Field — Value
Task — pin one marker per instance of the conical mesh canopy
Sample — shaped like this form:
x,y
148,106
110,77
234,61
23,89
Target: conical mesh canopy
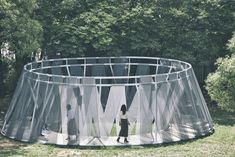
x,y
77,101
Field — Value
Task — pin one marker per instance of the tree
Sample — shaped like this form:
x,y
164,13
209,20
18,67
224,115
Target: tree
x,y
22,33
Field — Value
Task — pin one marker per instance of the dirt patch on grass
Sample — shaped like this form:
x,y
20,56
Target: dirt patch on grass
x,y
7,145
68,153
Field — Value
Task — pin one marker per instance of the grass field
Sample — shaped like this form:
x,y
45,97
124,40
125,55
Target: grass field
x,y
221,143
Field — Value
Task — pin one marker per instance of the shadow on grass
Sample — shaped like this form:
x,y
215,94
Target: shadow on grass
x,y
222,117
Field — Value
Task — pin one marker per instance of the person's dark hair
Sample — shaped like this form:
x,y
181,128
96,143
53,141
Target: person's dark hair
x,y
68,107
123,109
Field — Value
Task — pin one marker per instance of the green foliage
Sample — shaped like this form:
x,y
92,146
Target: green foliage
x,y
18,28
195,31
221,83
8,76
22,33
231,44
95,30
189,30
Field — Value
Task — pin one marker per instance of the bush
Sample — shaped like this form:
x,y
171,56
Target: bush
x,y
221,83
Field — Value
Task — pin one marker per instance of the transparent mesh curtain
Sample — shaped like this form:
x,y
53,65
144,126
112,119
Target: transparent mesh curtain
x,y
77,101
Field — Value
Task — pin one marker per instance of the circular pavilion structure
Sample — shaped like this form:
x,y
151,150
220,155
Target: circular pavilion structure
x,y
76,101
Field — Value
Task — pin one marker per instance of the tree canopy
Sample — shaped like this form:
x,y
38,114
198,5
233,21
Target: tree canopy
x,y
195,31
188,30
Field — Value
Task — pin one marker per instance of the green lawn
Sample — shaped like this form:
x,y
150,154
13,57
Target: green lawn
x,y
221,143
